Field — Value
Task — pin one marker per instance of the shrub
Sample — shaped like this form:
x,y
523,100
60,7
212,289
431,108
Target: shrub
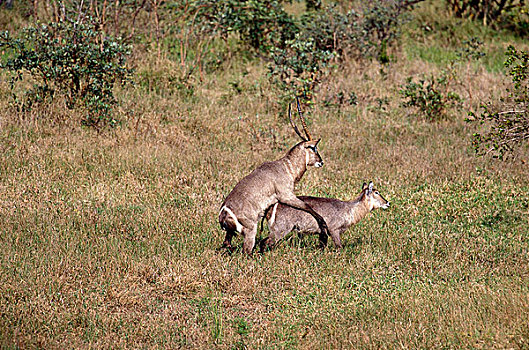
x,y
430,96
433,96
470,50
260,24
331,30
327,36
511,14
299,68
301,64
380,26
508,123
65,60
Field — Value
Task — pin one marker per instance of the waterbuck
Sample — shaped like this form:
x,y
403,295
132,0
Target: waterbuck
x,y
270,183
339,215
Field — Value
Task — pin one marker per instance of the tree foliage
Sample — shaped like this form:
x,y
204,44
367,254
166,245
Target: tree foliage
x,y
259,24
500,13
326,36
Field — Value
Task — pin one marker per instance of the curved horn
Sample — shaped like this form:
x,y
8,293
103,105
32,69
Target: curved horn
x,y
303,121
292,123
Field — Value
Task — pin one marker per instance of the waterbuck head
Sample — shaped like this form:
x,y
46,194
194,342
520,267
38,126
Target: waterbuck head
x,y
373,198
308,146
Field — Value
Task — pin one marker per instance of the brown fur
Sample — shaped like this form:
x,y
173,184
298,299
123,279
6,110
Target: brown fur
x,y
270,183
339,215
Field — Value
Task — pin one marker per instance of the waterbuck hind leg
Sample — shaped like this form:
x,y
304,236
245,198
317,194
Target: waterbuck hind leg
x,y
227,240
323,240
249,239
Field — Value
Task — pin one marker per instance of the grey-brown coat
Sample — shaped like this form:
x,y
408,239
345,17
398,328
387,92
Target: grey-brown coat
x,y
270,183
339,215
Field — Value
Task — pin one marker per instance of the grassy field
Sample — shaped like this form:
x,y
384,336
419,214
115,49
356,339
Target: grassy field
x,y
110,239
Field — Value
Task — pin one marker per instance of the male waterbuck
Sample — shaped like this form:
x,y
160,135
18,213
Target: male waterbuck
x,y
270,183
339,215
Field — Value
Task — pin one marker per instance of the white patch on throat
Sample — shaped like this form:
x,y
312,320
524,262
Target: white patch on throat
x,y
238,225
273,216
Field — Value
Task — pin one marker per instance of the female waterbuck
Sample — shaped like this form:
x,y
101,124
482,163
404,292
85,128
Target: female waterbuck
x,y
270,183
339,215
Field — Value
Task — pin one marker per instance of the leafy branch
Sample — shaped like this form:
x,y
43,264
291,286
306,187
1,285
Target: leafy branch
x,y
507,127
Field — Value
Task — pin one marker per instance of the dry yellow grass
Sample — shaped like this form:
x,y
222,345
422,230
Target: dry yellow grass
x,y
110,239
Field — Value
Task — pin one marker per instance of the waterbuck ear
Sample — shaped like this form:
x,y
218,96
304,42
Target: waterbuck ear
x,y
370,188
364,186
318,141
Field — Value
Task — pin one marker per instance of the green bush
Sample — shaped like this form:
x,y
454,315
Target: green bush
x,y
380,26
430,96
507,124
69,61
299,68
509,14
259,24
331,29
433,96
327,36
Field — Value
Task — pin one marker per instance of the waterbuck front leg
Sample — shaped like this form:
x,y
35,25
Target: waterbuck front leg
x,y
297,203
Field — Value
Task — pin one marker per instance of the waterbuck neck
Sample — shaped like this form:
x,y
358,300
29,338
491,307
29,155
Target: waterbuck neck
x,y
358,208
296,163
